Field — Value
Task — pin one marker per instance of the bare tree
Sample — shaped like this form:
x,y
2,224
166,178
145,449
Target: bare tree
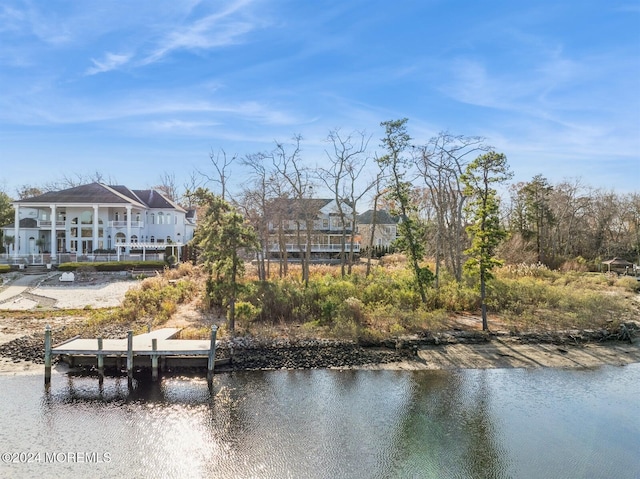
x,y
255,199
441,162
168,187
28,191
288,164
190,187
221,164
346,162
78,179
378,193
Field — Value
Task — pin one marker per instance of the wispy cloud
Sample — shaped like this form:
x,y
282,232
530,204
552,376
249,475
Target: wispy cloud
x,y
110,62
215,30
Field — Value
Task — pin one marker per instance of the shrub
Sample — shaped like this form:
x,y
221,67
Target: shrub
x,y
156,298
114,265
246,312
628,283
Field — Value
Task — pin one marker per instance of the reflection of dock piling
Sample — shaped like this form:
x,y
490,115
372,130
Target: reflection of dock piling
x,y
153,349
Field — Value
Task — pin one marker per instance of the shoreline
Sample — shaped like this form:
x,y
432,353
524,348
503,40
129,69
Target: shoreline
x,y
495,353
22,341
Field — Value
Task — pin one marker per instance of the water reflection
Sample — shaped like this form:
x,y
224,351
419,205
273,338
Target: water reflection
x,y
330,424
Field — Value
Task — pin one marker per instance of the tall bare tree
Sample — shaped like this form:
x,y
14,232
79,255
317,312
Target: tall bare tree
x,y
441,163
256,199
287,163
168,187
221,164
346,161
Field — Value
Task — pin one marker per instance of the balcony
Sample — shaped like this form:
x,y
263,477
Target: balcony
x,y
315,248
46,224
123,224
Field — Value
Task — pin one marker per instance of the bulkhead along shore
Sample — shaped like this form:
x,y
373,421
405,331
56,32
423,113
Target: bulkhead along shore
x,y
30,302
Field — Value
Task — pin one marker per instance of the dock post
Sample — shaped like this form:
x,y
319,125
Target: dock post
x,y
154,360
212,353
100,358
130,354
47,354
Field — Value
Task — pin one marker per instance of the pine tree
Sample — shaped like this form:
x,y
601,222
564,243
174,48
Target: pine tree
x,y
485,230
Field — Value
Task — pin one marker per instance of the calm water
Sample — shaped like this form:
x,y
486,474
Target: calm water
x,y
327,424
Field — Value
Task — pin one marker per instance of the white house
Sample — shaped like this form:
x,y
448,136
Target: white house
x,y
287,224
95,218
386,228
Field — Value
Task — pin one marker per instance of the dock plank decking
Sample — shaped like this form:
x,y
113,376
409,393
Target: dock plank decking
x,y
152,345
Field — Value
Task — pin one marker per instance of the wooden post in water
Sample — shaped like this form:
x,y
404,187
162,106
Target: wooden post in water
x,y
154,360
47,354
130,354
100,358
212,353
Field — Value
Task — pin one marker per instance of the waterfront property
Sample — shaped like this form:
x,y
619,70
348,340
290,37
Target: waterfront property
x,y
377,228
95,219
289,221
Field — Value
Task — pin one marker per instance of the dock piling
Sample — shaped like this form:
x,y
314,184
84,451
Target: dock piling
x,y
154,360
130,354
100,358
212,353
47,354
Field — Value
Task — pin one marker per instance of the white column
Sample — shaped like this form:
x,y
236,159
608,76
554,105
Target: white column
x,y
54,233
128,228
95,227
16,232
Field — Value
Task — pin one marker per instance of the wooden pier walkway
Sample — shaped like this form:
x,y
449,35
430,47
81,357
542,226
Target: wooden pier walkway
x,y
139,349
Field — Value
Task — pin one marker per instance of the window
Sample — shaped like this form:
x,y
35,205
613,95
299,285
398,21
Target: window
x,y
86,217
134,239
160,218
167,219
325,224
120,238
117,216
153,219
153,239
169,239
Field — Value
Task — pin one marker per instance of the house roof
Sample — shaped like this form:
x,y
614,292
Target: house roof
x,y
382,218
618,262
24,223
293,208
101,193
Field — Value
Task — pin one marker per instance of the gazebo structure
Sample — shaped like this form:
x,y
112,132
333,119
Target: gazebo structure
x,y
618,265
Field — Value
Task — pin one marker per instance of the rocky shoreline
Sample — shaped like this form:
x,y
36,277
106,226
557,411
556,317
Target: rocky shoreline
x,y
250,353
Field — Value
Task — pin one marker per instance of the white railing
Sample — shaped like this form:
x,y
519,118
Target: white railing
x,y
316,248
47,224
123,224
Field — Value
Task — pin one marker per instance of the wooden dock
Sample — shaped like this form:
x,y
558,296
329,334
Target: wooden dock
x,y
156,349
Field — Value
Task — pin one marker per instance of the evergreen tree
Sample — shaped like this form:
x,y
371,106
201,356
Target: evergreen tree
x,y
485,230
396,141
221,235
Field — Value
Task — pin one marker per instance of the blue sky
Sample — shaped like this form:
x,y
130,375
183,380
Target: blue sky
x,y
135,89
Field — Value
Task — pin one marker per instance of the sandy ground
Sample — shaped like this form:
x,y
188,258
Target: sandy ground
x,y
24,292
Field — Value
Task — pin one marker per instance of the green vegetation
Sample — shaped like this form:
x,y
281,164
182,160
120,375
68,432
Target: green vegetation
x,y
114,265
4,268
485,230
388,303
221,236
